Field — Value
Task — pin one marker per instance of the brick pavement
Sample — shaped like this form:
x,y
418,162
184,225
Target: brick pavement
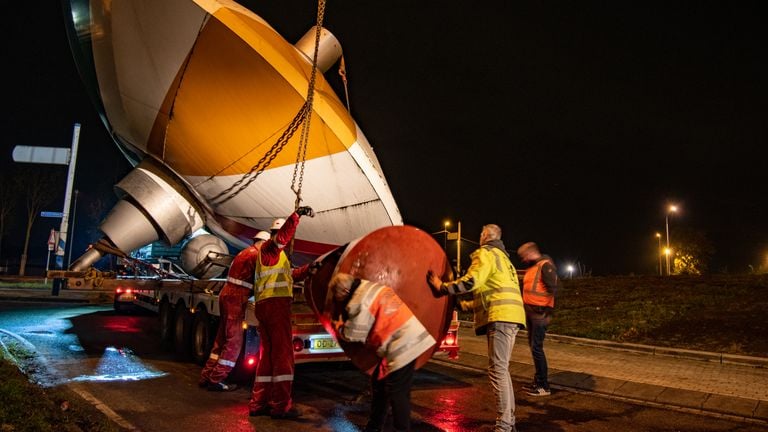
x,y
678,378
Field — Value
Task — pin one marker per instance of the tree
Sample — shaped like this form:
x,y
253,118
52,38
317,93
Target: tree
x,y
38,188
692,251
7,205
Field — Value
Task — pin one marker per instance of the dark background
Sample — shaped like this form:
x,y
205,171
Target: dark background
x,y
572,124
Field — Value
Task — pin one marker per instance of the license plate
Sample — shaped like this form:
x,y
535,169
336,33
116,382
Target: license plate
x,y
324,344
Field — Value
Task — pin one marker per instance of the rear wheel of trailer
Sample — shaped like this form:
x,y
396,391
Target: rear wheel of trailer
x,y
203,334
182,331
166,322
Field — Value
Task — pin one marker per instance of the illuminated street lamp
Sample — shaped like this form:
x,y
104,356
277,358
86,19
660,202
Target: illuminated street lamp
x,y
658,237
446,224
670,209
447,235
570,271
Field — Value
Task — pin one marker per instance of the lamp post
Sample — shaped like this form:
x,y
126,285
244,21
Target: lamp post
x,y
72,231
670,209
446,224
658,237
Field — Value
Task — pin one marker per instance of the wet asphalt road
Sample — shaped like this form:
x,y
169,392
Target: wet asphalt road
x,y
116,361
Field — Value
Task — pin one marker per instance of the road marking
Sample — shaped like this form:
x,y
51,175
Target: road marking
x,y
101,406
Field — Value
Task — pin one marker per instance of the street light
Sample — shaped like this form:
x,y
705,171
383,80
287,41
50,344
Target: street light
x,y
658,237
670,209
570,271
446,224
447,235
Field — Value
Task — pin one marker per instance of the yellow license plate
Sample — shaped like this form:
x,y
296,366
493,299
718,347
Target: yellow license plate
x,y
324,344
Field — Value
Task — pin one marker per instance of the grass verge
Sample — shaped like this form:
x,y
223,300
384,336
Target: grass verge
x,y
26,407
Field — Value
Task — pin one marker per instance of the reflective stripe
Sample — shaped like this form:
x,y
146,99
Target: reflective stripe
x,y
226,362
281,378
278,284
214,356
274,270
501,302
239,282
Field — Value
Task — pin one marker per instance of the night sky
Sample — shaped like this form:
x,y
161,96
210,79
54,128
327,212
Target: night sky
x,y
571,124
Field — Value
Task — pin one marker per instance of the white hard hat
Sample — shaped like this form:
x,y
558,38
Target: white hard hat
x,y
262,235
277,224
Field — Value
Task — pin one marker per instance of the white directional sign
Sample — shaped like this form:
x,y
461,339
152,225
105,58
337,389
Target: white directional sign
x,y
46,155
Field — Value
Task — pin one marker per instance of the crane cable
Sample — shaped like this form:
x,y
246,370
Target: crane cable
x,y
302,118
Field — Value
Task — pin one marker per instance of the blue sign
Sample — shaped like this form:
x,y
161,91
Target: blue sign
x,y
51,214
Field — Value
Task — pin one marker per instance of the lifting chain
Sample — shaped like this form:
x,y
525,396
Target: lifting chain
x,y
302,118
301,155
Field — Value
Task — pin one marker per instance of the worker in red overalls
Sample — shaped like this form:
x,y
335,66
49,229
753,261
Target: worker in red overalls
x,y
273,294
232,302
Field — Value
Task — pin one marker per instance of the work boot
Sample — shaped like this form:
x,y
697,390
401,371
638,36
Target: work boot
x,y
291,414
259,412
221,387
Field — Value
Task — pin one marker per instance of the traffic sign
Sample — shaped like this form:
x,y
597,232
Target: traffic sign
x,y
46,155
51,241
51,214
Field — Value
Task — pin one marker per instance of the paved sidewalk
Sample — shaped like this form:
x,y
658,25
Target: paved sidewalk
x,y
696,381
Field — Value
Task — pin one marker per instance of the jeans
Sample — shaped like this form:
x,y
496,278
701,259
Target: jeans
x,y
501,340
392,390
537,330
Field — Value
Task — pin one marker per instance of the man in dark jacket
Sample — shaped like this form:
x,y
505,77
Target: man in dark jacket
x,y
539,288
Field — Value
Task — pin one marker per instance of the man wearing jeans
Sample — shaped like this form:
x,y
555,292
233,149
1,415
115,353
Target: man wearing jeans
x,y
539,288
499,314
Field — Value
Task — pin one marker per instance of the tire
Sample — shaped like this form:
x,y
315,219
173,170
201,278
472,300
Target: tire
x,y
166,322
202,336
182,332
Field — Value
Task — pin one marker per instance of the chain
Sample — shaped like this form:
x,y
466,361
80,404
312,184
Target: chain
x,y
264,162
302,118
301,155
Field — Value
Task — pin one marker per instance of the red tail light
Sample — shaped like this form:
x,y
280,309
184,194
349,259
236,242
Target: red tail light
x,y
298,344
450,339
118,290
251,361
128,291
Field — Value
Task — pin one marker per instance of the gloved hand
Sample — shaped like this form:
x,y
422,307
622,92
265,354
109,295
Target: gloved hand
x,y
435,283
466,305
314,267
305,211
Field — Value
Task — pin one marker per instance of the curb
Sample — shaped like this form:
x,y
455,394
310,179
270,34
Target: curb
x,y
65,296
722,358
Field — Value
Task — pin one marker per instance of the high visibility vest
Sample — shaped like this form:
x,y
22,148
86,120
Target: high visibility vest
x,y
380,318
498,298
535,292
273,281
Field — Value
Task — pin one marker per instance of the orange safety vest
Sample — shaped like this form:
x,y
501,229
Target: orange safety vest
x,y
534,291
379,318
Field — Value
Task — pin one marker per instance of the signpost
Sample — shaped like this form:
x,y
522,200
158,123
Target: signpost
x,y
52,240
56,156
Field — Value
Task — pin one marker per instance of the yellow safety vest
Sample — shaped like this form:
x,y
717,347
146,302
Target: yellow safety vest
x,y
498,298
273,281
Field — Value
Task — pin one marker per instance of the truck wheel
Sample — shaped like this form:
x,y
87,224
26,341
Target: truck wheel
x,y
166,322
202,336
182,332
